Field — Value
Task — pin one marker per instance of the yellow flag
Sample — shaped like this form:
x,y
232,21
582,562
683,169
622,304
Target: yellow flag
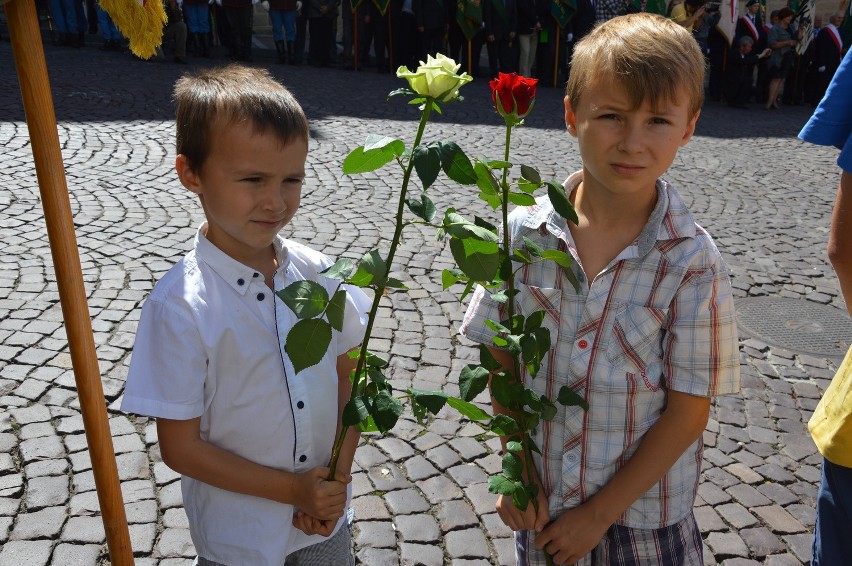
x,y
140,21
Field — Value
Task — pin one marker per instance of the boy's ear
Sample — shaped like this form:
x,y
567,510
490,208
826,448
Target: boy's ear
x,y
187,175
690,129
570,118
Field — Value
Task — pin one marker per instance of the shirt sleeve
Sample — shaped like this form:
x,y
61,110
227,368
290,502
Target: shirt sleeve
x,y
831,123
481,308
168,366
700,344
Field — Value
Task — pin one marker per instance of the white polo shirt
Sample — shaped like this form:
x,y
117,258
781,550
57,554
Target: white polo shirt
x,y
210,343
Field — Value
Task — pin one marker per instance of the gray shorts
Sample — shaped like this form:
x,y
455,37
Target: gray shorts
x,y
335,551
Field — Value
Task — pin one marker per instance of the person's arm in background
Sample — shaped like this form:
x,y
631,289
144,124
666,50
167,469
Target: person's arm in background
x,y
840,237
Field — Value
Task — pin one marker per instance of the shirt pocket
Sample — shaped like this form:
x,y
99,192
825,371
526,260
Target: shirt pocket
x,y
636,343
531,299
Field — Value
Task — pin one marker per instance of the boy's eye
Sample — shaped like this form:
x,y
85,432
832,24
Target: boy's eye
x,y
659,121
252,179
609,117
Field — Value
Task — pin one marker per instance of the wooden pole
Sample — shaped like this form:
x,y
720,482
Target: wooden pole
x,y
469,57
355,39
556,55
30,63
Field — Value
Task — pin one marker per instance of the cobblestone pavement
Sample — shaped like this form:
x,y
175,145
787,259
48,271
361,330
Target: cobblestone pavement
x,y
420,495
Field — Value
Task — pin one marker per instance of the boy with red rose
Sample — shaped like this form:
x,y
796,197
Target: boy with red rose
x,y
650,335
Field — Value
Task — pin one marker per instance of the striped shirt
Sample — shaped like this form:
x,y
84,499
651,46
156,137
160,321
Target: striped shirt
x,y
660,316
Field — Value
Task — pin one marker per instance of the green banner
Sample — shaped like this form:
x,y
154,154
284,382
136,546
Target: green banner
x,y
356,4
846,29
562,11
468,16
656,7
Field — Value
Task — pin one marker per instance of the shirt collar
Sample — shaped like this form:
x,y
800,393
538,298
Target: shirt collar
x,y
234,273
670,219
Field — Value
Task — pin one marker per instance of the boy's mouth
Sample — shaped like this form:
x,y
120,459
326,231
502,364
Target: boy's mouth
x,y
627,168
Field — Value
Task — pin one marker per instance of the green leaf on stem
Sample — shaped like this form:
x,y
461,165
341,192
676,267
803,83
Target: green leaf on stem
x,y
532,400
341,270
501,485
378,141
521,199
372,360
483,223
527,187
450,277
456,164
385,410
376,375
472,381
354,412
561,258
548,409
522,256
514,446
306,299
513,467
569,275
496,326
504,425
534,321
488,185
500,297
371,269
336,309
360,161
307,342
427,163
505,389
560,202
434,401
487,359
467,289
394,283
368,425
521,498
569,398
498,164
530,174
534,249
530,355
423,208
458,227
478,259
467,409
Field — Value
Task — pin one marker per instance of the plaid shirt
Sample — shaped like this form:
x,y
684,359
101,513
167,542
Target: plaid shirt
x,y
660,316
606,10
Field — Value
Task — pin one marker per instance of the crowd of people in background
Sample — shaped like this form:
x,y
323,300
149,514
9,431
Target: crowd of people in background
x,y
765,61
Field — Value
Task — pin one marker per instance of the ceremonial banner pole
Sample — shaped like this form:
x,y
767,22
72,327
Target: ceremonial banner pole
x,y
31,67
556,55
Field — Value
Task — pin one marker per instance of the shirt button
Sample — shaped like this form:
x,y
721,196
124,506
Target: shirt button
x,y
255,275
302,458
572,457
582,344
260,296
301,404
241,281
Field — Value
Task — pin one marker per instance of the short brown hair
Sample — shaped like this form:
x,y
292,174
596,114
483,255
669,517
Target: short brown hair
x,y
234,94
650,56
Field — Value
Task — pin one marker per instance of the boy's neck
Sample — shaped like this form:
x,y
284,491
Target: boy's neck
x,y
609,211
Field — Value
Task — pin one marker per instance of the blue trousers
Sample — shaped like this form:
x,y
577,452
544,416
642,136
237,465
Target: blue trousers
x,y
108,29
64,15
832,532
285,19
197,17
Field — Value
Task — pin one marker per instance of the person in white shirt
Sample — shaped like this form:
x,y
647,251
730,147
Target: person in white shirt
x,y
250,436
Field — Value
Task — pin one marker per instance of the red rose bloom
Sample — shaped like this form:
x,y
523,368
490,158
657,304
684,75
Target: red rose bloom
x,y
516,94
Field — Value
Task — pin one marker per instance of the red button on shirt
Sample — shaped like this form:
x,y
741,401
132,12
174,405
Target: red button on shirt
x,y
582,344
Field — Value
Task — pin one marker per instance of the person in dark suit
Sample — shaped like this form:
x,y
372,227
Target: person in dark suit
x,y
433,18
501,25
827,53
741,61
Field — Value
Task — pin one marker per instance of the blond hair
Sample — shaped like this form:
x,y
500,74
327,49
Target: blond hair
x,y
229,95
650,56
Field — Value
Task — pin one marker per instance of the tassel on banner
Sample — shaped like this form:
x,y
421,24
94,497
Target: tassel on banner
x,y
140,21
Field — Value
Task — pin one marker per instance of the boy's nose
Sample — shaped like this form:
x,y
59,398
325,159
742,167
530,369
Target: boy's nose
x,y
631,141
274,200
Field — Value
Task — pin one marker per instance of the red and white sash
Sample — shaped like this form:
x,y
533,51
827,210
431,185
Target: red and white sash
x,y
835,35
751,28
